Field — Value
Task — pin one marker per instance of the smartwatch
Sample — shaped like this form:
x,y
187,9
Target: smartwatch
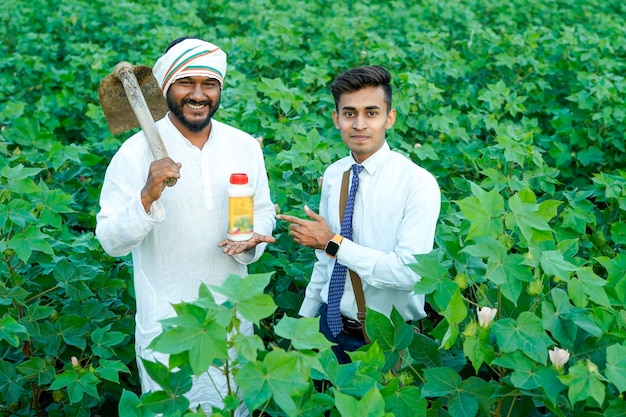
x,y
332,246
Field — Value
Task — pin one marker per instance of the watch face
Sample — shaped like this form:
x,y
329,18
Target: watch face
x,y
332,247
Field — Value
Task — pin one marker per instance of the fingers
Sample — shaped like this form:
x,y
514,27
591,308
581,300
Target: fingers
x,y
267,239
312,214
290,219
234,248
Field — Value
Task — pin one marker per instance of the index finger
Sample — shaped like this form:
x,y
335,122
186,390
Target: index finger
x,y
290,219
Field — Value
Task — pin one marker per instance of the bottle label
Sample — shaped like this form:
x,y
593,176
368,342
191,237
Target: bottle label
x,y
240,215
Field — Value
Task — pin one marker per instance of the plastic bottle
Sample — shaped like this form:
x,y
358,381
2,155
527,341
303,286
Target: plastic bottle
x,y
240,208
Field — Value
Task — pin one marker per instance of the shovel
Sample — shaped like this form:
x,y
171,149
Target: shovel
x,y
134,88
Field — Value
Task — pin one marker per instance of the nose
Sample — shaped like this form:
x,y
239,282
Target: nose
x,y
359,123
196,92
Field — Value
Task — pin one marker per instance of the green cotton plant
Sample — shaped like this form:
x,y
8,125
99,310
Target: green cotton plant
x,y
519,256
273,380
63,323
516,107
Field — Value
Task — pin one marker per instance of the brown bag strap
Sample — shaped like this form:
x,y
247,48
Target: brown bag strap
x,y
357,286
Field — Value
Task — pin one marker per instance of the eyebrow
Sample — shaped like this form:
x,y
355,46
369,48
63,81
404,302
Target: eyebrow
x,y
373,107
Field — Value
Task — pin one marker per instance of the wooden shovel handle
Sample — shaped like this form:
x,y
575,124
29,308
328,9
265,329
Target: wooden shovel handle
x,y
124,71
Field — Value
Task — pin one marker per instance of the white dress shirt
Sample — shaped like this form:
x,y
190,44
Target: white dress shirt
x,y
395,214
174,247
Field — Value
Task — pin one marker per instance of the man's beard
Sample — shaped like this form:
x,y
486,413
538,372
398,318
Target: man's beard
x,y
194,126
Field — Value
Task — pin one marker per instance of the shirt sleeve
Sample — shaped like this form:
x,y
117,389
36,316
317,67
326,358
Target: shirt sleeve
x,y
389,269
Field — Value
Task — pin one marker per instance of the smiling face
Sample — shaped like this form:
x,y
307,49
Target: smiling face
x,y
193,101
362,118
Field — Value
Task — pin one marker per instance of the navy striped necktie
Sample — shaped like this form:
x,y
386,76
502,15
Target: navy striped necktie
x,y
338,277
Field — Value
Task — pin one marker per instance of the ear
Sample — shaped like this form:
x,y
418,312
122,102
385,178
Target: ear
x,y
336,119
391,118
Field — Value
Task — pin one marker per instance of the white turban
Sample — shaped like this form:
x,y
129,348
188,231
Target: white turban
x,y
190,58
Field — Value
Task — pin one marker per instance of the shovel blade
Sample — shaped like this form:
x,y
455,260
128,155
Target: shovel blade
x,y
118,112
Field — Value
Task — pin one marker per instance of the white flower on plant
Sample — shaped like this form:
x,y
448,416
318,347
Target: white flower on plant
x,y
486,316
558,357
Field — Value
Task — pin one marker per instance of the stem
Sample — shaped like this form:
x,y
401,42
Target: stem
x,y
511,407
498,408
33,387
42,293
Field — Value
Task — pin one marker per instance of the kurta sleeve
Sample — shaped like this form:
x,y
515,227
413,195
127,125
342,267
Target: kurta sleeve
x,y
122,222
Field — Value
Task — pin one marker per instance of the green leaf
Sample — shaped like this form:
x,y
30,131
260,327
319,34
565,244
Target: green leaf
x,y
509,274
71,276
456,310
314,405
204,342
162,403
461,404
525,334
173,383
484,211
247,294
481,390
616,366
486,247
370,405
130,405
277,377
247,347
431,271
36,368
20,212
440,382
434,278
347,378
77,384
425,351
373,359
578,316
19,172
73,329
554,264
584,384
10,330
304,333
255,309
593,286
555,318
393,334
479,350
110,370
404,401
10,384
32,239
527,214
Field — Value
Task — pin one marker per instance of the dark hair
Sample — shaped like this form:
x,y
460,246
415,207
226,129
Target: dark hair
x,y
357,78
179,40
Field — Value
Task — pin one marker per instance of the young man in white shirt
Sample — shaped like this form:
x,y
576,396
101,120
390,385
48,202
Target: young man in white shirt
x,y
395,212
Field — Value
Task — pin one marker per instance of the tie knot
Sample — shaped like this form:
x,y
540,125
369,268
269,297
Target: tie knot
x,y
356,169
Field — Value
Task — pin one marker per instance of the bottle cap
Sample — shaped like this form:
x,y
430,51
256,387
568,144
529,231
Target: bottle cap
x,y
238,178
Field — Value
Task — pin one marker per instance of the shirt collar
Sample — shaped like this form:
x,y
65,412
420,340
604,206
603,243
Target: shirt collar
x,y
379,157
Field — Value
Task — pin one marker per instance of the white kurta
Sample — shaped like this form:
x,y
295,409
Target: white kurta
x,y
174,248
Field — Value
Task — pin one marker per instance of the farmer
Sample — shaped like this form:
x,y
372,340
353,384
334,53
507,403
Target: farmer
x,y
177,235
390,214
